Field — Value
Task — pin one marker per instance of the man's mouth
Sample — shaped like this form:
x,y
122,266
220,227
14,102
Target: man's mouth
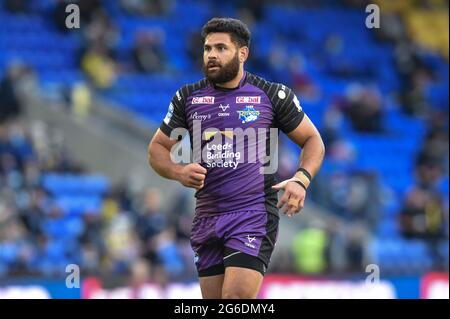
x,y
213,66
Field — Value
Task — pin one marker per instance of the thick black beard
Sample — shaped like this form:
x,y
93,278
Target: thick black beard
x,y
225,74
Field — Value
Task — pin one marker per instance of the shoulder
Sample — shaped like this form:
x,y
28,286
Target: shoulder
x,y
188,89
259,82
276,92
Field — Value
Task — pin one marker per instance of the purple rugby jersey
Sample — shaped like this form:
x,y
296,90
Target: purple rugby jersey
x,y
234,181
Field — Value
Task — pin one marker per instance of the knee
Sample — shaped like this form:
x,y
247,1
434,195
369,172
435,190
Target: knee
x,y
236,294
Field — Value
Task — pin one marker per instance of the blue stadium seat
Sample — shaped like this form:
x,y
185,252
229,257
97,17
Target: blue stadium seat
x,y
75,184
77,205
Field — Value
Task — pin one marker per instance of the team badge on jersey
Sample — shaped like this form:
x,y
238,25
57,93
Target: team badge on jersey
x,y
249,114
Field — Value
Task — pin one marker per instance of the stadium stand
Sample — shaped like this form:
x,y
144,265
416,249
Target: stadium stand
x,y
380,101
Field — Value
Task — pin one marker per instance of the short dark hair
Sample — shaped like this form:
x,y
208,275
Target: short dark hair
x,y
238,30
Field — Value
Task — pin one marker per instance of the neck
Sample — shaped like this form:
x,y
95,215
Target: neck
x,y
233,83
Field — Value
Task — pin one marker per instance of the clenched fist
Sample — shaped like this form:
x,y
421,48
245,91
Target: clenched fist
x,y
193,175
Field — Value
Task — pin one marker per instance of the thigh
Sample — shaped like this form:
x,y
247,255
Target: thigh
x,y
211,286
241,283
253,233
207,247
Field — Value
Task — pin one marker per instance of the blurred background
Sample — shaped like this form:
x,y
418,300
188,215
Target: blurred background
x,y
78,107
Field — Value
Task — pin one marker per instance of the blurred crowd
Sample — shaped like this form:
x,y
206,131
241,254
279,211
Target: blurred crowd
x,y
135,236
130,231
355,194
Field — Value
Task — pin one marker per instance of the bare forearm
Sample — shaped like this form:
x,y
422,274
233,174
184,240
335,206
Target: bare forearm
x,y
312,154
159,159
311,159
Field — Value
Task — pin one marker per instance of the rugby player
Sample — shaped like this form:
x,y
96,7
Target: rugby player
x,y
236,221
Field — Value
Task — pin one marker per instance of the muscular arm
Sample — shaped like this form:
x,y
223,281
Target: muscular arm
x,y
313,149
159,156
191,175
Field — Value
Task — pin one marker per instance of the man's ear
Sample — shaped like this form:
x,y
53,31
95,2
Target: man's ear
x,y
243,54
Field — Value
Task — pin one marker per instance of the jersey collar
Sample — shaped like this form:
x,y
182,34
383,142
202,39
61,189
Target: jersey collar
x,y
241,84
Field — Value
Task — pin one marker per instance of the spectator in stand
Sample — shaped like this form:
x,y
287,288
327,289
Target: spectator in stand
x,y
148,53
10,105
147,8
151,222
425,217
168,254
301,82
364,109
194,49
99,66
422,215
33,213
122,242
309,248
435,146
101,30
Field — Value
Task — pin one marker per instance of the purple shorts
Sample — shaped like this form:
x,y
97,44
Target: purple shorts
x,y
246,237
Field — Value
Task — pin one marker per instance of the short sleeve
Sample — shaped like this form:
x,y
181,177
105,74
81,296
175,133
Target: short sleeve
x,y
288,111
176,115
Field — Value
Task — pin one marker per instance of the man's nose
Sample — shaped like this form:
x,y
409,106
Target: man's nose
x,y
212,55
